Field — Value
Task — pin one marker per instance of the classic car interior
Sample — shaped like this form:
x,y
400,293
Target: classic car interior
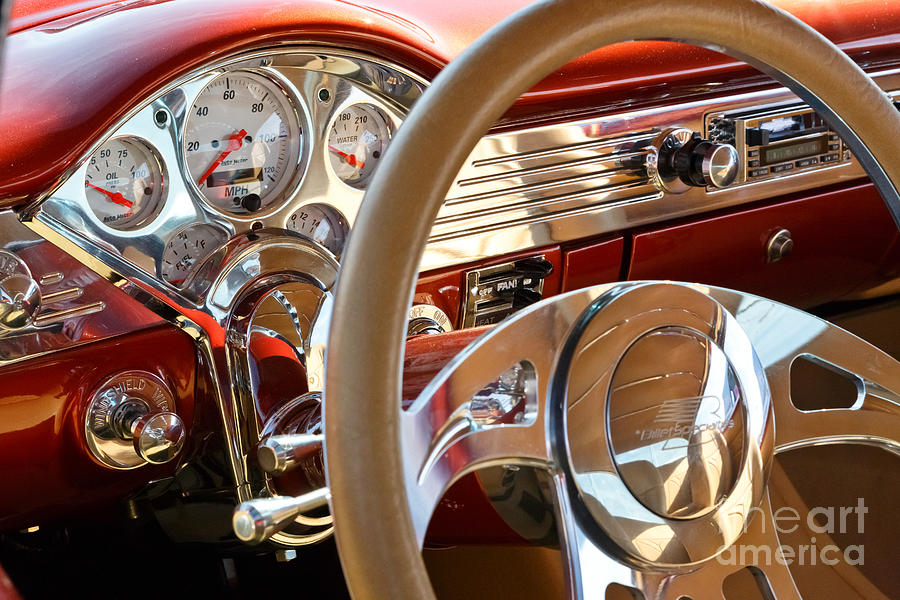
x,y
408,299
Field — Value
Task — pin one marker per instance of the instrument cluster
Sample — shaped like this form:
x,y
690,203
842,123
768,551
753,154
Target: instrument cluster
x,y
285,140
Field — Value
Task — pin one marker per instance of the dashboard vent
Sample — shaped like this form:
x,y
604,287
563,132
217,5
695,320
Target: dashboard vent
x,y
521,179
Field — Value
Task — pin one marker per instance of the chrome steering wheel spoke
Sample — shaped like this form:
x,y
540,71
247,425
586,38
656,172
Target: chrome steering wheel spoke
x,y
781,335
656,408
486,407
760,540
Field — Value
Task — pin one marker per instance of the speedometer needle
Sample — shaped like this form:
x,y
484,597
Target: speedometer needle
x,y
115,197
350,159
234,143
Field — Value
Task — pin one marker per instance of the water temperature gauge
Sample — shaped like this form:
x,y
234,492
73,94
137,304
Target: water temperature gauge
x,y
186,249
123,183
357,140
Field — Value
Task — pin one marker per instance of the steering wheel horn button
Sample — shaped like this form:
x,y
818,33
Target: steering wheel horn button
x,y
676,422
686,443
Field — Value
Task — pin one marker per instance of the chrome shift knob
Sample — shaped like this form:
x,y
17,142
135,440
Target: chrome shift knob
x,y
255,521
280,453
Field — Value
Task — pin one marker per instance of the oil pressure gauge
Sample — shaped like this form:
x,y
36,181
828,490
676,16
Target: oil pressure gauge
x,y
357,140
123,183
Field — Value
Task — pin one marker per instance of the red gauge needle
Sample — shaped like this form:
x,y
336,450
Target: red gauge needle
x,y
115,197
350,159
234,143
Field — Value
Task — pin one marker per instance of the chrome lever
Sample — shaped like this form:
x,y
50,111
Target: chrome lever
x,y
257,520
280,453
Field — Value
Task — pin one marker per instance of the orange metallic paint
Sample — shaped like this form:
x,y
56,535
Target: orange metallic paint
x,y
68,79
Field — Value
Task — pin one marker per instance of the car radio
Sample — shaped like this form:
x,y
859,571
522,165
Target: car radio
x,y
777,140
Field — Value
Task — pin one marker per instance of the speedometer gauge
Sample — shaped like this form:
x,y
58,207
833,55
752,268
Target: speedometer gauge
x,y
123,183
358,137
242,142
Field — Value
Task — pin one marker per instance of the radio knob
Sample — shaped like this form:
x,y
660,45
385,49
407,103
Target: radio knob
x,y
680,158
704,163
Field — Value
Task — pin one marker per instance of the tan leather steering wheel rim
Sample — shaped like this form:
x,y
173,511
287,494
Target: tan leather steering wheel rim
x,y
374,532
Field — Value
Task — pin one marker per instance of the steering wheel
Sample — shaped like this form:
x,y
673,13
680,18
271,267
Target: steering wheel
x,y
651,482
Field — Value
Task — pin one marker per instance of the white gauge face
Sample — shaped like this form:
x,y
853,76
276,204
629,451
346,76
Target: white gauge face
x,y
123,183
242,140
321,224
357,140
186,249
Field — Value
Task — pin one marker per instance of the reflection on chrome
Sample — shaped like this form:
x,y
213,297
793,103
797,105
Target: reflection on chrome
x,y
655,416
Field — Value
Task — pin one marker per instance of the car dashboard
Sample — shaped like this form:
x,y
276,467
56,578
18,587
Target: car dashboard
x,y
180,256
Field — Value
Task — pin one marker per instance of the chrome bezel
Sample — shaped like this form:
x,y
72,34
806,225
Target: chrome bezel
x,y
384,123
152,155
303,71
298,122
223,235
335,218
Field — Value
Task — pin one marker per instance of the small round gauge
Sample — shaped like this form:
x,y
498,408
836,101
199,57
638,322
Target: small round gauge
x,y
242,141
187,248
321,224
358,137
123,183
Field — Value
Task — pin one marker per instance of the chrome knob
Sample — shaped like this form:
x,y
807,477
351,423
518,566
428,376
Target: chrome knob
x,y
158,437
779,246
426,319
20,301
280,453
679,159
255,521
719,165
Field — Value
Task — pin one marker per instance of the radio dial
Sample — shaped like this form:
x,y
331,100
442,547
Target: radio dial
x,y
680,158
702,163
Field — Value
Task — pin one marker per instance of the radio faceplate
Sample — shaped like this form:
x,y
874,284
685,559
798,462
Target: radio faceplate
x,y
777,140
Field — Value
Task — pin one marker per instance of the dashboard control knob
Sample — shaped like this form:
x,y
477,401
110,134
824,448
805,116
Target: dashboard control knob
x,y
20,301
255,521
703,163
427,319
679,159
130,422
278,454
158,437
779,246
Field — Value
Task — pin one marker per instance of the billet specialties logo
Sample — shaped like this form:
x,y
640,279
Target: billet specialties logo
x,y
686,418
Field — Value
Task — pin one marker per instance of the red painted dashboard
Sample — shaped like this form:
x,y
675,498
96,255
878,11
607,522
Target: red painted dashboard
x,y
72,71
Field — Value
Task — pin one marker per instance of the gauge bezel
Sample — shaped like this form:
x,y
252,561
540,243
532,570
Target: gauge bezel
x,y
335,218
385,123
193,270
299,126
154,211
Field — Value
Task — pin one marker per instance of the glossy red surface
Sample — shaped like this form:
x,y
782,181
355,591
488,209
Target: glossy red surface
x,y
47,470
49,121
591,264
840,239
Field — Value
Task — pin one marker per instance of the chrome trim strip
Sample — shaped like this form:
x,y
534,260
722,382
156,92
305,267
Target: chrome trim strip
x,y
517,207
